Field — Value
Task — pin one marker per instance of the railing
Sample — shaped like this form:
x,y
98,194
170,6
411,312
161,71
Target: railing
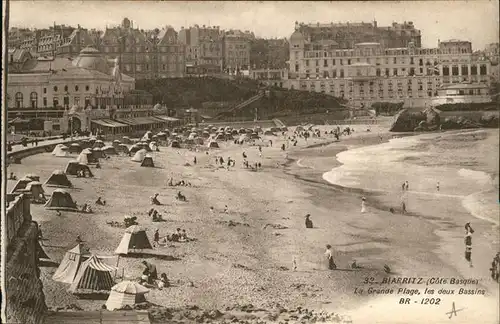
x,y
18,213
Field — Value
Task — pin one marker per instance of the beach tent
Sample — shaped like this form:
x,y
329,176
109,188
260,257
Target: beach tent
x,y
98,153
61,151
144,145
189,141
134,239
148,162
61,200
249,131
161,136
57,149
122,148
109,150
242,131
32,176
75,148
94,276
269,132
134,148
40,252
299,129
275,129
116,143
205,134
175,144
243,138
98,144
199,141
21,184
153,146
220,137
58,179
126,140
213,144
70,264
35,189
284,129
139,156
254,136
126,293
86,157
147,136
73,167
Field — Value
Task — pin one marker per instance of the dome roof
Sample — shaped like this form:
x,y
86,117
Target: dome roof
x,y
297,37
91,59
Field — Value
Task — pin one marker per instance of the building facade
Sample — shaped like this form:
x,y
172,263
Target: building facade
x,y
204,48
462,93
370,73
51,88
236,51
346,35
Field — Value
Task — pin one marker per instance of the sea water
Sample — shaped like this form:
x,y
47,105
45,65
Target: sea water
x,y
464,163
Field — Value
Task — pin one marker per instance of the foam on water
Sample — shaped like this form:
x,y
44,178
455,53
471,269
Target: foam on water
x,y
384,167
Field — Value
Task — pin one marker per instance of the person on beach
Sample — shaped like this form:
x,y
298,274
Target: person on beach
x,y
468,243
329,257
157,237
226,210
164,282
150,271
194,160
403,204
212,211
154,200
308,222
437,186
407,186
363,205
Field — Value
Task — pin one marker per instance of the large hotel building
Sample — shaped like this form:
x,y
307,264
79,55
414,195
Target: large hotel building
x,y
370,72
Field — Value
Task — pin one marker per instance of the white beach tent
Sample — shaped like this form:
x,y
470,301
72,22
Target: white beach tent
x,y
61,151
70,264
139,155
134,239
126,293
83,158
56,149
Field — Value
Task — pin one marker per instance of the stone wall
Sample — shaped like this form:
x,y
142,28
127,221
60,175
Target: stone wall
x,y
25,299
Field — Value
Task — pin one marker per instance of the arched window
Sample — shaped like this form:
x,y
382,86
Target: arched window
x,y
66,88
55,88
34,100
76,88
19,100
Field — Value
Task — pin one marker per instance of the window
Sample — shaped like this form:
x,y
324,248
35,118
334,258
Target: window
x,y
482,69
65,88
76,88
55,88
411,61
348,61
87,88
45,101
387,72
465,70
341,73
19,100
307,62
55,102
77,101
454,70
446,70
325,63
394,60
296,68
377,72
44,90
333,62
34,100
395,72
420,62
473,69
334,73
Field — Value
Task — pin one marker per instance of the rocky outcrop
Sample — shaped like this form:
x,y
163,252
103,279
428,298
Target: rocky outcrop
x,y
430,119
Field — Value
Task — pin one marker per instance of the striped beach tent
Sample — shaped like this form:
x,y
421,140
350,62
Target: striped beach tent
x,y
126,293
70,264
94,276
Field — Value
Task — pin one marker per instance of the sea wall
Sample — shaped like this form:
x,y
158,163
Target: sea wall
x,y
25,299
18,155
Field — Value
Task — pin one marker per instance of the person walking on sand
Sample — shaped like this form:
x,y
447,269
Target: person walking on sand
x,y
329,257
407,186
308,222
157,237
468,243
363,205
437,186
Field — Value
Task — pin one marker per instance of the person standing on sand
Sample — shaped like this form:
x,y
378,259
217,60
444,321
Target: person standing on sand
x,y
468,243
329,257
403,204
363,205
308,222
407,186
437,186
157,237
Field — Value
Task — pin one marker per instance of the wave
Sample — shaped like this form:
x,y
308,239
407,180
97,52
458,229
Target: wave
x,y
384,167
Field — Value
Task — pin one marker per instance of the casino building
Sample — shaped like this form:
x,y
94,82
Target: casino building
x,y
63,94
370,72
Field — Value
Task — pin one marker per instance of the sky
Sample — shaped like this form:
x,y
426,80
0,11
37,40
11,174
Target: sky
x,y
475,21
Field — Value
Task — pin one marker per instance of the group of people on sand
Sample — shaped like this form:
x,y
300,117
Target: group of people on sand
x,y
155,215
178,183
150,276
87,208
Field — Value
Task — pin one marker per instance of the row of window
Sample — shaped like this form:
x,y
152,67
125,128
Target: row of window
x,y
55,101
317,52
66,88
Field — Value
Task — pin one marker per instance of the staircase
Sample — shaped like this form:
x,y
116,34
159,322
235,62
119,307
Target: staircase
x,y
239,106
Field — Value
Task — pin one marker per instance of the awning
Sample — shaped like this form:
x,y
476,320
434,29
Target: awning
x,y
108,123
139,120
167,118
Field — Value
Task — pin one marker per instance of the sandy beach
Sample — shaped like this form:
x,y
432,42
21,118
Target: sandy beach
x,y
252,262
